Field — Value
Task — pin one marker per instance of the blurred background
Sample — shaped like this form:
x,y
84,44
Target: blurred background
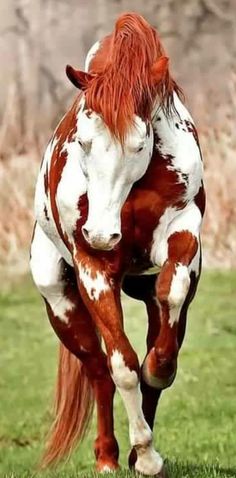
x,y
39,37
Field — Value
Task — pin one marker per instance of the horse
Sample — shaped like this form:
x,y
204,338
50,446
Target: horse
x,y
119,204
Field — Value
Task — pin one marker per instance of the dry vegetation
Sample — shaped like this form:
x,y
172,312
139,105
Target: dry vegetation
x,y
219,148
32,108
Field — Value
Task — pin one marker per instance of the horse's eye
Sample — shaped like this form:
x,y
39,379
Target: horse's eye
x,y
139,149
81,144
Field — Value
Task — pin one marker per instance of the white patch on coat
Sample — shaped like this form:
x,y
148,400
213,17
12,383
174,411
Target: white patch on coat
x,y
71,187
93,286
178,291
122,375
181,145
174,220
91,53
46,267
159,247
42,201
148,460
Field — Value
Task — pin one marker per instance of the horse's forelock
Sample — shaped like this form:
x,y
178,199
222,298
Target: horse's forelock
x,y
123,84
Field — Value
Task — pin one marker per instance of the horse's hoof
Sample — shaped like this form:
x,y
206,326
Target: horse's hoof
x,y
149,463
163,473
132,458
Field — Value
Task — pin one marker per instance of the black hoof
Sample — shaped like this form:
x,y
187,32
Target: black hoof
x,y
163,473
132,458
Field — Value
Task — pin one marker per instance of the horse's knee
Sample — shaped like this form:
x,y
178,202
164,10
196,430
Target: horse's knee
x,y
179,286
172,289
124,372
159,368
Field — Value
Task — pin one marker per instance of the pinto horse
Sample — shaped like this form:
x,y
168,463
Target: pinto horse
x,y
119,205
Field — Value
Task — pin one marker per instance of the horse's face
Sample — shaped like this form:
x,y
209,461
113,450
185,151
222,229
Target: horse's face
x,y
110,172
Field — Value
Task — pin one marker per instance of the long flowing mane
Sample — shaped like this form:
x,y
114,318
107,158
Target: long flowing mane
x,y
122,84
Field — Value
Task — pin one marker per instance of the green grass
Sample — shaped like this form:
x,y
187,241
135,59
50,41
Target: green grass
x,y
196,423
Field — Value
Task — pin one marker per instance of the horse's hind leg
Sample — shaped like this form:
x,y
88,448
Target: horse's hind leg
x,y
73,325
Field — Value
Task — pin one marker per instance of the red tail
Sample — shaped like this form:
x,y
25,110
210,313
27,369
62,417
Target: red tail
x,y
73,408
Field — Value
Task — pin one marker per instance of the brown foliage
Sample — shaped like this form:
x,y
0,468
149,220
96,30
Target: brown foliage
x,y
198,35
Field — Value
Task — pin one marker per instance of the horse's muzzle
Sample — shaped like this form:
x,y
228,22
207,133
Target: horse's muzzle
x,y
100,241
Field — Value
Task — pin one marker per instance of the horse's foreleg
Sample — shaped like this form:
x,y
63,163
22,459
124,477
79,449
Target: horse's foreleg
x,y
142,287
101,295
150,395
175,287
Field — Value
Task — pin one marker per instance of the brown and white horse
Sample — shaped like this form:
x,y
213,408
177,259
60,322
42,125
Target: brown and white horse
x,y
119,205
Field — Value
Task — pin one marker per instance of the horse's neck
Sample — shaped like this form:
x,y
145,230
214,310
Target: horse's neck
x,y
178,113
174,132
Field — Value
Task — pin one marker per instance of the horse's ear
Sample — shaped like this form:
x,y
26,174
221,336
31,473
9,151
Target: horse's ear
x,y
80,79
159,69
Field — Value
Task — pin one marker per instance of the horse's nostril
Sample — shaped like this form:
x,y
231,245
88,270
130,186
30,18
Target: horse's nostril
x,y
115,237
85,233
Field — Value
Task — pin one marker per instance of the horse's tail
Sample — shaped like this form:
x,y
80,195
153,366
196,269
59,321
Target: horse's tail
x,y
73,408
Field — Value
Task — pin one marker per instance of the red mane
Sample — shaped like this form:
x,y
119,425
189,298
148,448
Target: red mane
x,y
122,84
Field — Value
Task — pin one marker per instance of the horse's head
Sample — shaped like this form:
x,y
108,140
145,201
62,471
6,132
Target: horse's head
x,y
126,77
110,170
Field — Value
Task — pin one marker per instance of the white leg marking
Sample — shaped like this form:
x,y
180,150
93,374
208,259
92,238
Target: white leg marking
x,y
178,292
94,286
123,376
46,267
149,462
106,469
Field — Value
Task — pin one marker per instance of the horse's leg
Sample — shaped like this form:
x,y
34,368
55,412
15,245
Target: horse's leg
x,y
73,324
175,288
143,288
101,294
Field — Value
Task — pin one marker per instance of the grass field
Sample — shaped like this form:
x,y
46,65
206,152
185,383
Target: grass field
x,y
196,423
